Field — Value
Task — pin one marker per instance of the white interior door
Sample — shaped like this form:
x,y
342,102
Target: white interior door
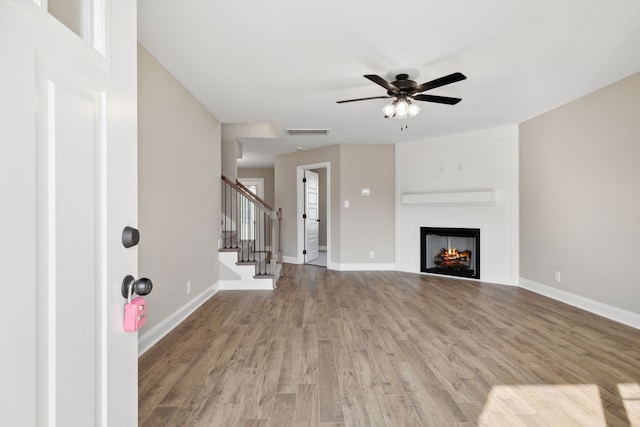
x,y
312,220
68,167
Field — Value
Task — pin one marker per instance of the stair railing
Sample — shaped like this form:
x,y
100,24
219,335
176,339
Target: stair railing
x,y
251,227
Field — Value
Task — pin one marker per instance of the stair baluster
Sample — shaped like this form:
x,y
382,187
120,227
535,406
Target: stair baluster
x,y
251,227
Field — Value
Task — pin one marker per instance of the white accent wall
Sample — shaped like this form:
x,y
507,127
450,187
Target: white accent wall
x,y
449,171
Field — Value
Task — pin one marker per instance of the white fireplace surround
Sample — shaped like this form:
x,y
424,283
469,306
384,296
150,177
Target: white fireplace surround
x,y
466,180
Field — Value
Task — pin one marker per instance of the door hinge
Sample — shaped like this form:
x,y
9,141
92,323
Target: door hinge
x,y
304,252
304,179
304,216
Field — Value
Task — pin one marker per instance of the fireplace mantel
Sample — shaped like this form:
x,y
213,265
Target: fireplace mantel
x,y
475,197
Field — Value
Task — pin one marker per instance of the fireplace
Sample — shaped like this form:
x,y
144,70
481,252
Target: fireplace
x,y
450,251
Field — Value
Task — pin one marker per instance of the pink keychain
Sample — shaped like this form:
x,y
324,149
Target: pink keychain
x,y
135,312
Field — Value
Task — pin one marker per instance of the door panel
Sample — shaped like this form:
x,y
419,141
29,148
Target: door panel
x,y
312,235
67,210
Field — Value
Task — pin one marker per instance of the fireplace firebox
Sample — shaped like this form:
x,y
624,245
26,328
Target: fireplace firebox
x,y
450,251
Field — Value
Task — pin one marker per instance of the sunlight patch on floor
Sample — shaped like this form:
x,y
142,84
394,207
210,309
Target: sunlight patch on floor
x,y
544,405
630,394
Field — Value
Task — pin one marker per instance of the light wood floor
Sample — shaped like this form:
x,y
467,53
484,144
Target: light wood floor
x,y
390,349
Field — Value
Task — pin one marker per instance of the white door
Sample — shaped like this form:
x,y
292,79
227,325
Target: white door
x,y
312,219
68,172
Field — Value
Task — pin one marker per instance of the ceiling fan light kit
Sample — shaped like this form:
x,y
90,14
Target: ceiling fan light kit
x,y
414,109
401,109
406,91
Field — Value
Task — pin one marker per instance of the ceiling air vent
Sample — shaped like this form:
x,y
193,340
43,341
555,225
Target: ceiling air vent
x,y
298,132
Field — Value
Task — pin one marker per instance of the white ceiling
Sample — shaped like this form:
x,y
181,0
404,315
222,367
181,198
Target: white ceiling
x,y
287,62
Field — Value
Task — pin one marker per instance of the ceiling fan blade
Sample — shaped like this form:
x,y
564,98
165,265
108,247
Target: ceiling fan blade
x,y
362,99
437,99
451,78
382,82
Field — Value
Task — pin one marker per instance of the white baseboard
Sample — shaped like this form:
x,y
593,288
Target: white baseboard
x,y
322,248
363,267
620,315
155,334
251,284
348,267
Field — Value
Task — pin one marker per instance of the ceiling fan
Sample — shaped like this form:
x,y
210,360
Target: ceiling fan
x,y
405,90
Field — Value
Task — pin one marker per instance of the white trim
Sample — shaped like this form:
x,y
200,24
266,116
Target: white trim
x,y
98,25
299,212
255,284
515,209
596,307
398,198
363,267
322,248
159,331
333,266
51,353
349,267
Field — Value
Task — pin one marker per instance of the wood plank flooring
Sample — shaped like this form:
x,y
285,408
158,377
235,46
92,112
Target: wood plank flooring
x,y
390,349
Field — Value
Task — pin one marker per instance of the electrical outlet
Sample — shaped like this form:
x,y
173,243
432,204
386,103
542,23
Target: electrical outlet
x,y
557,276
188,287
371,255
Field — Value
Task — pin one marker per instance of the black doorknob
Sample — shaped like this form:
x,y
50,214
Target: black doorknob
x,y
142,286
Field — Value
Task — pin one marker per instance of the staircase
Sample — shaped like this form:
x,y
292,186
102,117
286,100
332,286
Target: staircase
x,y
250,256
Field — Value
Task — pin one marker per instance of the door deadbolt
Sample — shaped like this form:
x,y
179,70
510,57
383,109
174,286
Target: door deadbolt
x,y
130,237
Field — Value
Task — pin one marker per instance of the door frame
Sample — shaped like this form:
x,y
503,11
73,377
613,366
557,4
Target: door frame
x,y
300,209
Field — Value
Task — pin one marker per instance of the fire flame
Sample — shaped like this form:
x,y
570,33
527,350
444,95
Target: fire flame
x,y
452,254
453,258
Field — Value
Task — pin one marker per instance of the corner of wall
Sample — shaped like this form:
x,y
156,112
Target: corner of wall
x,y
596,307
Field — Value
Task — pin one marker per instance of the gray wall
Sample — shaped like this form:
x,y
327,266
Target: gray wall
x,y
229,154
267,175
368,224
179,191
579,197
